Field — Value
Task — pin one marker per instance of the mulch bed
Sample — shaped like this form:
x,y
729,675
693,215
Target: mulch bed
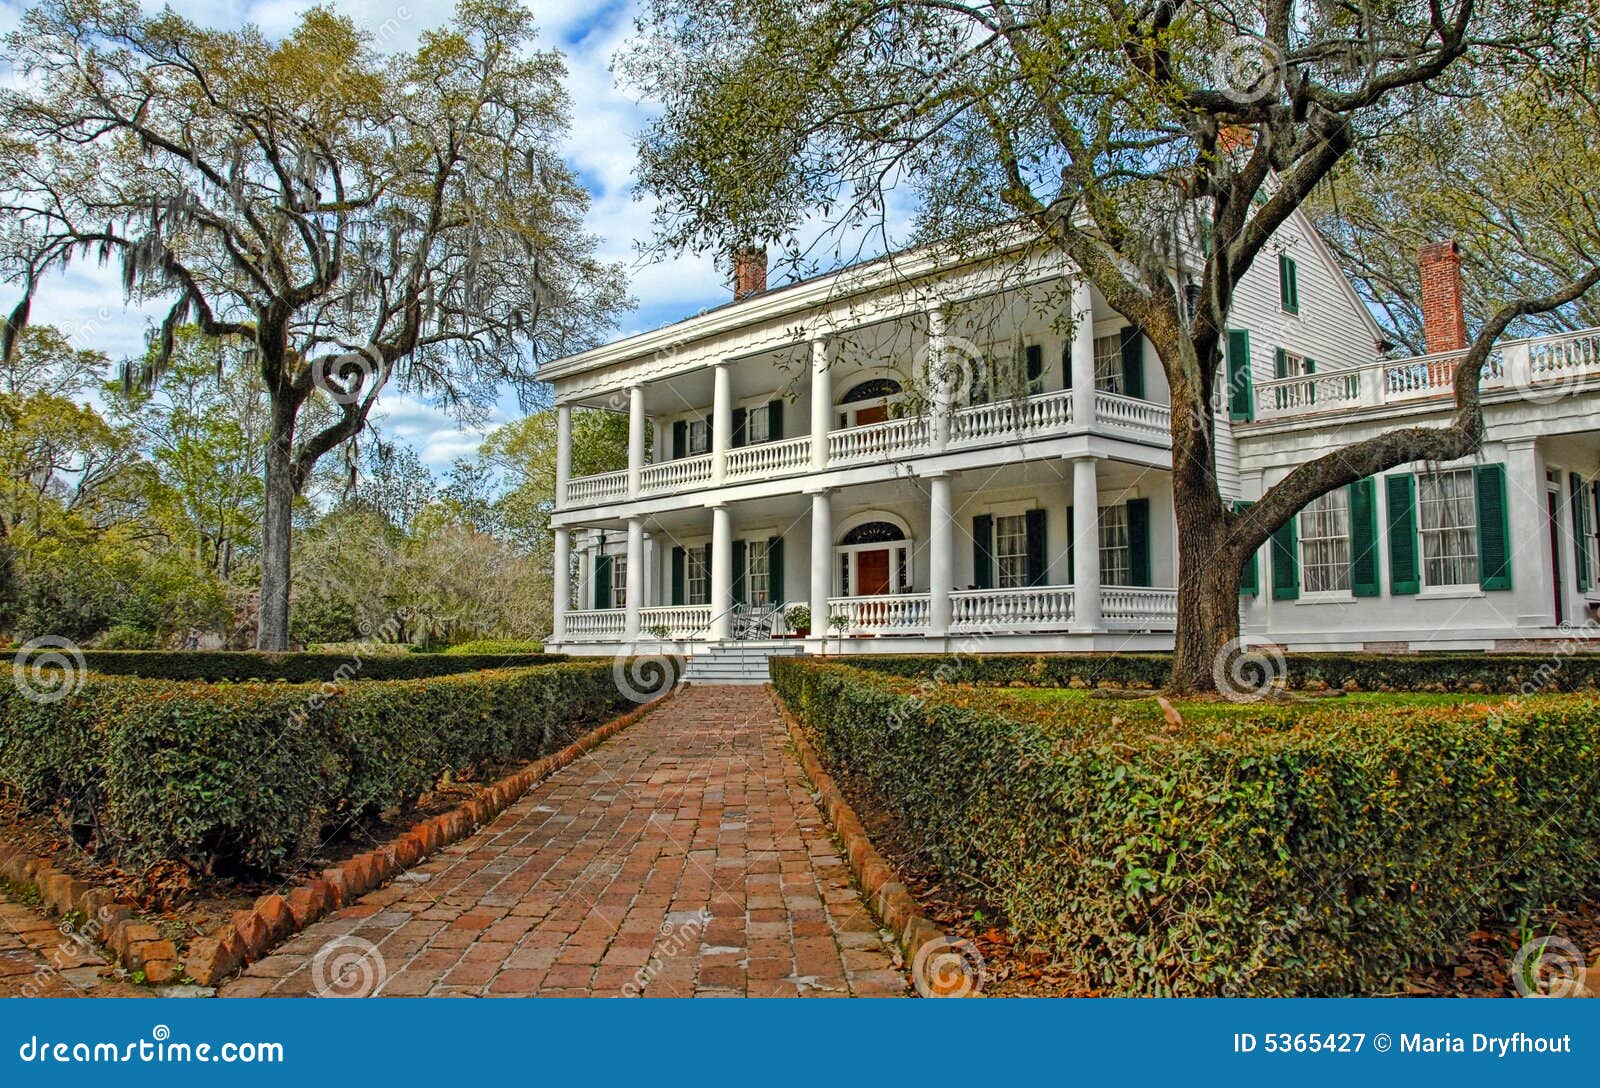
x,y
1014,968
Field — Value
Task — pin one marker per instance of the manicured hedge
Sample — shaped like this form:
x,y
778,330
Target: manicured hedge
x,y
1280,850
259,774
1525,673
241,665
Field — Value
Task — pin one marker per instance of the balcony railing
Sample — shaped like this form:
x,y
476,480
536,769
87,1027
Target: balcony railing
x,y
1005,420
892,439
1540,367
588,490
1035,608
681,621
597,625
675,475
1131,608
885,614
1145,418
770,458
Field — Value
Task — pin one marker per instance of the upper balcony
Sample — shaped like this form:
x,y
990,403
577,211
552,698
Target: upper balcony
x,y
1540,369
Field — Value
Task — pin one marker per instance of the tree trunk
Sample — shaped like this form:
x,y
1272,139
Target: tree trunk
x,y
276,526
1208,593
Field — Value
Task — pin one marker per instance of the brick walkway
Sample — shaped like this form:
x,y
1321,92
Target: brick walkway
x,y
37,960
683,857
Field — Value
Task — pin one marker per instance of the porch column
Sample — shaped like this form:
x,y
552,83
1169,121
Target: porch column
x,y
821,560
1086,545
633,591
635,438
721,421
941,554
1532,581
939,379
563,452
562,579
821,402
1082,362
721,572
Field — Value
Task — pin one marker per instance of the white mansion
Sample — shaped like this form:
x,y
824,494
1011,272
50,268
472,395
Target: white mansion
x,y
795,448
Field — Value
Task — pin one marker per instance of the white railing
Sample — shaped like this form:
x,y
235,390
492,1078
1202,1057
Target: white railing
x,y
681,621
586,490
1534,365
886,614
1143,417
770,458
596,625
1138,609
893,438
1034,608
1006,419
673,475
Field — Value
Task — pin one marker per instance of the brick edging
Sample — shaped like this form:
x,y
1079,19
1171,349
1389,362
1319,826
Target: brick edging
x,y
884,887
251,934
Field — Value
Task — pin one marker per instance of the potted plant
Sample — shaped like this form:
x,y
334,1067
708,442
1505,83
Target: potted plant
x,y
799,620
659,631
839,623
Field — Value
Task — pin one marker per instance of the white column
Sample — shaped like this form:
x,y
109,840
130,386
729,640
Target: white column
x,y
635,438
821,561
721,572
939,379
563,452
1086,545
721,420
821,403
1082,361
633,592
1532,581
562,578
941,554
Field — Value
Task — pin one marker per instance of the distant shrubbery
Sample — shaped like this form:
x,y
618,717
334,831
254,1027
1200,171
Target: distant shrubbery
x,y
298,668
496,646
1282,848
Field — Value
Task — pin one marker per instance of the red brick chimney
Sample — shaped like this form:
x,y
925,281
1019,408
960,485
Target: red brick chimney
x,y
1231,138
749,271
1444,316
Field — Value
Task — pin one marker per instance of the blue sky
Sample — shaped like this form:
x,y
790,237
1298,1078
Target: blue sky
x,y
87,303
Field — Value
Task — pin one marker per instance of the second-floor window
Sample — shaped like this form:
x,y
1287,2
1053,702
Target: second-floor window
x,y
756,426
1447,524
619,582
1108,363
1325,544
699,437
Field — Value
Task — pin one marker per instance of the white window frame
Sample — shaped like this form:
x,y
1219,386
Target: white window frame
x,y
757,571
696,577
1324,536
1108,362
1592,538
1011,551
756,417
619,581
1116,547
1441,543
697,425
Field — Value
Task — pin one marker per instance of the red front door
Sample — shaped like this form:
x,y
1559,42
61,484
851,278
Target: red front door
x,y
872,573
876,414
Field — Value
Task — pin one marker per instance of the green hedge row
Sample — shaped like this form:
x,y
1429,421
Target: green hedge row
x,y
243,665
1248,854
1524,673
258,774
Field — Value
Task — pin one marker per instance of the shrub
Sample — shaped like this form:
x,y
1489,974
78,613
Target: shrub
x,y
236,665
495,646
258,774
1273,851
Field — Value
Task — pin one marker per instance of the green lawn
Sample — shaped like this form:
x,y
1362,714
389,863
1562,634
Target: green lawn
x,y
1302,705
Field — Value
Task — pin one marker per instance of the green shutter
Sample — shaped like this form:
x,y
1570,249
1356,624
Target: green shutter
x,y
1241,393
1311,387
602,581
1288,284
1286,561
1250,577
774,420
1580,553
775,570
1138,542
1364,577
680,439
680,564
738,572
1072,551
705,556
983,551
1033,525
1400,497
739,430
1280,363
1133,361
1034,356
1494,533
1066,365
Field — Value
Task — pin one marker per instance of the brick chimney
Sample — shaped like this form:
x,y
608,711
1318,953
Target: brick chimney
x,y
1444,316
749,271
1231,138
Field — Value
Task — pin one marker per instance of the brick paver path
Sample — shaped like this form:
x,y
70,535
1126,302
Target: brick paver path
x,y
683,857
38,960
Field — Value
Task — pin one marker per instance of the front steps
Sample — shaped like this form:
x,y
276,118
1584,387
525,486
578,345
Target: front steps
x,y
736,662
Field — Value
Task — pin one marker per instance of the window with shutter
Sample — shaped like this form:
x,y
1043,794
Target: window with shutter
x,y
680,439
737,438
1036,547
602,581
1241,393
1133,361
775,587
1138,542
1447,528
1324,530
680,573
1364,576
1034,361
740,582
983,551
1010,552
1580,531
1400,502
1285,563
774,420
1288,284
